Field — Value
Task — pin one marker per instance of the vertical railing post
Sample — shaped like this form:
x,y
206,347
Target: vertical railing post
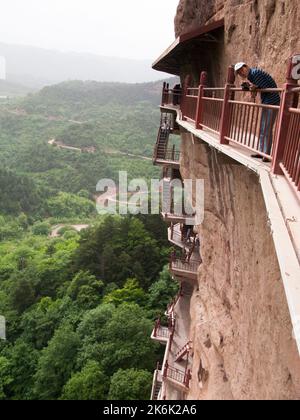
x,y
163,96
186,85
187,378
165,374
157,326
200,104
287,101
226,109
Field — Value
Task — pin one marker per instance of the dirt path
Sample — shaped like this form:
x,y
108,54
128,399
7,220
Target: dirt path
x,y
118,152
53,142
55,230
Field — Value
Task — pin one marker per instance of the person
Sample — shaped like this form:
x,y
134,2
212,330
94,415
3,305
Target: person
x,y
189,232
260,79
177,94
165,124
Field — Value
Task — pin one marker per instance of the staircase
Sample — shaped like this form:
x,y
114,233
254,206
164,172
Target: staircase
x,y
157,384
166,196
185,351
162,143
156,390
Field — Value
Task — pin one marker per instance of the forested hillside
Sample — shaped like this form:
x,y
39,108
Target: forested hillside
x,y
79,307
115,119
80,311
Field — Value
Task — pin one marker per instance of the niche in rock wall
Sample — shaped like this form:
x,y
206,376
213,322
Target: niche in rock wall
x,y
205,53
203,374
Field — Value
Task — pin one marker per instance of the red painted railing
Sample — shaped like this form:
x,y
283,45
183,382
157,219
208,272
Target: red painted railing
x,y
156,386
172,155
171,96
252,125
165,333
268,130
180,376
291,159
184,351
171,307
211,111
161,331
182,265
189,106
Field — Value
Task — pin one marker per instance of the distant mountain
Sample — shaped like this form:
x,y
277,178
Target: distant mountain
x,y
84,100
35,67
13,89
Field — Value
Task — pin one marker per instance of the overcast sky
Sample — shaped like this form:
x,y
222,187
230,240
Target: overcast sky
x,y
139,29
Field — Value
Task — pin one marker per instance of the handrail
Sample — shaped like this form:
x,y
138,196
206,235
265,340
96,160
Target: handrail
x,y
177,375
191,266
269,90
208,98
254,104
186,348
213,88
273,135
294,110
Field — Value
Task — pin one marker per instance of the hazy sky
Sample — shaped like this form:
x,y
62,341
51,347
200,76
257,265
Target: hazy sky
x,y
125,28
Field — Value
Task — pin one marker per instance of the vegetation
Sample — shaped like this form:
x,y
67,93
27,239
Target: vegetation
x,y
79,307
81,329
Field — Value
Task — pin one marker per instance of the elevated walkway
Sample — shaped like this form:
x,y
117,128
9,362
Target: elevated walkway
x,y
283,209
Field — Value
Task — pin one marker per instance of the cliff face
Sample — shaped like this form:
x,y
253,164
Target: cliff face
x,y
241,328
263,33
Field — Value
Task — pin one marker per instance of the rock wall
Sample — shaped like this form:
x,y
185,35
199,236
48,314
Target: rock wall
x,y
262,33
241,328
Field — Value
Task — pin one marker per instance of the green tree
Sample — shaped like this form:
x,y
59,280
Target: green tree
x,y
41,320
86,290
5,376
123,341
162,291
130,384
56,364
41,228
118,249
23,361
68,205
130,293
22,294
89,384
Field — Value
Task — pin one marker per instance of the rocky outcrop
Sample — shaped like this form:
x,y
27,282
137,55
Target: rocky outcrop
x,y
241,327
263,33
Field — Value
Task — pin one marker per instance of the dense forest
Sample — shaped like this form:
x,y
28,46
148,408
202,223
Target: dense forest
x,y
80,310
79,307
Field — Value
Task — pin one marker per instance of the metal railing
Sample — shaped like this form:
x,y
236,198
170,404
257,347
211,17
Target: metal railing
x,y
270,131
182,265
172,155
180,376
211,109
291,159
157,383
253,126
171,306
171,96
184,351
189,105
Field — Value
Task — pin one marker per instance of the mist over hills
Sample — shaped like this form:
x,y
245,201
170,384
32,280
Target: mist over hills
x,y
36,67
